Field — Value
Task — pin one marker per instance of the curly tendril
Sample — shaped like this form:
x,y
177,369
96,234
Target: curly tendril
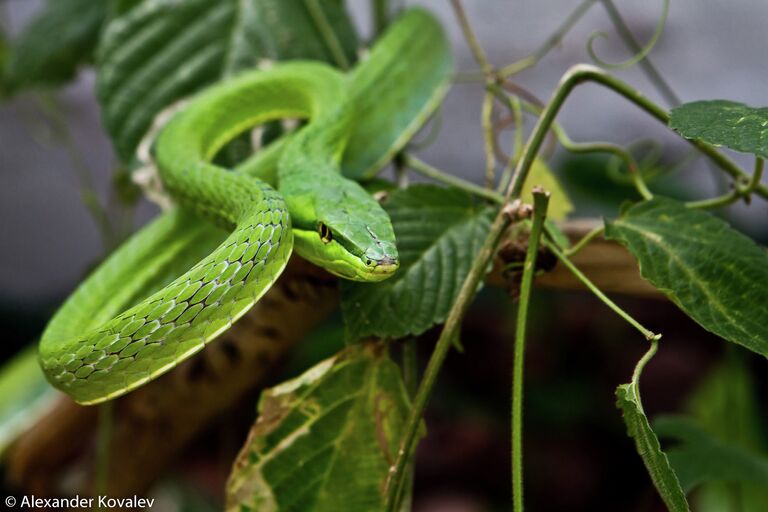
x,y
643,53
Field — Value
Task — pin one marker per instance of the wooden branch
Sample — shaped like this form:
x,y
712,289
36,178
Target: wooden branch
x,y
155,423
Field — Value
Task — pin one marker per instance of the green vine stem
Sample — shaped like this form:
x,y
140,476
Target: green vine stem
x,y
640,366
645,64
739,191
412,162
622,154
584,241
582,73
552,41
640,53
469,35
649,335
540,203
477,271
488,140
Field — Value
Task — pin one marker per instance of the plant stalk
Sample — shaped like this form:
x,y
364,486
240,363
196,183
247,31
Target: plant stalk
x,y
540,203
436,174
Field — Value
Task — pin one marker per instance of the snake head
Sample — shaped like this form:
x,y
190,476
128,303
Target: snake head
x,y
341,228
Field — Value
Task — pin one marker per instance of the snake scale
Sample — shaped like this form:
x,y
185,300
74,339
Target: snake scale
x,y
135,318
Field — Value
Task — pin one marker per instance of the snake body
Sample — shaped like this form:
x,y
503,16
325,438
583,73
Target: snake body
x,y
335,222
134,318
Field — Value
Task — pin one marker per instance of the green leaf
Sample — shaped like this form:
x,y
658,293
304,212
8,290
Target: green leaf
x,y
439,231
727,405
716,275
55,44
541,176
325,439
723,123
165,50
648,447
699,457
409,71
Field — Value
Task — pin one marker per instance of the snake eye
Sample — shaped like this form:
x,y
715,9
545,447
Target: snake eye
x,y
325,233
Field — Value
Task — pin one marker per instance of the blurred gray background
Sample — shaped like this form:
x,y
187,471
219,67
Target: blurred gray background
x,y
710,49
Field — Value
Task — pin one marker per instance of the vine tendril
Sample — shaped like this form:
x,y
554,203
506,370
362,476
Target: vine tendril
x,y
643,53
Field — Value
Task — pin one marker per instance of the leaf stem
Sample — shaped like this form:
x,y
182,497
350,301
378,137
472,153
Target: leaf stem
x,y
540,203
639,53
640,366
739,191
649,335
584,241
469,35
650,70
467,292
487,124
581,73
423,168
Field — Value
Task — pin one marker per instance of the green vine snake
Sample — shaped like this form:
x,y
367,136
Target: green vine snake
x,y
133,319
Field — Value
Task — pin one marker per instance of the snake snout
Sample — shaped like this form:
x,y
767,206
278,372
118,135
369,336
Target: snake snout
x,y
383,265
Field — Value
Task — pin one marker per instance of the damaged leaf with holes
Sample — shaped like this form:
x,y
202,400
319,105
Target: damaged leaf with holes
x,y
325,438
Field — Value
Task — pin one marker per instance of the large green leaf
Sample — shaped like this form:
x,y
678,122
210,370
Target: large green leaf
x,y
164,50
647,444
439,231
59,40
395,88
718,276
723,123
325,440
699,457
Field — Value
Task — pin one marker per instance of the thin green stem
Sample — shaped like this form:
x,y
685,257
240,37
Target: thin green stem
x,y
582,73
605,147
651,72
332,42
552,41
739,191
584,241
540,203
436,174
103,448
649,335
515,105
640,53
577,147
479,266
640,366
469,35
487,124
